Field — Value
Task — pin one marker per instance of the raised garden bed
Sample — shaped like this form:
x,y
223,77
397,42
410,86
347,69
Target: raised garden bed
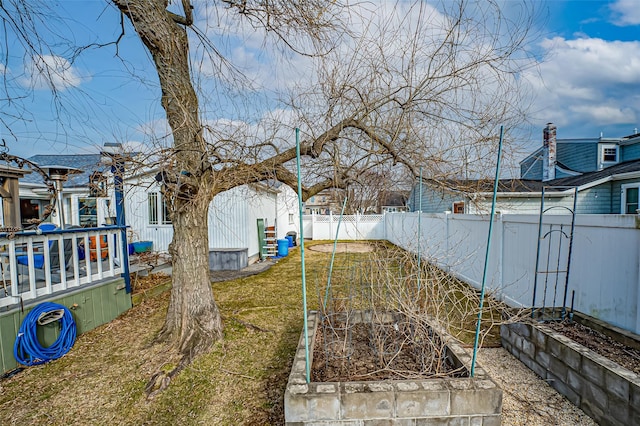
x,y
606,391
451,398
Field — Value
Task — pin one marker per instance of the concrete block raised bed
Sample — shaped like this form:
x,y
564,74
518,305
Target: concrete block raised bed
x,y
441,401
607,392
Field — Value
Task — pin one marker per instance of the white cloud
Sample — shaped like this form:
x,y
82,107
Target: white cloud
x,y
626,12
50,71
605,114
587,82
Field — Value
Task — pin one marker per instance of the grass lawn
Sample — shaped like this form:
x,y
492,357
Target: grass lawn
x,y
241,382
102,380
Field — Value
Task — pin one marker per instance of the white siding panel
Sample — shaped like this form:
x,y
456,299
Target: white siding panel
x,y
228,217
137,214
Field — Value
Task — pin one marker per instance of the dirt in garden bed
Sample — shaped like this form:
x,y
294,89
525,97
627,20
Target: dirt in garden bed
x,y
362,357
602,344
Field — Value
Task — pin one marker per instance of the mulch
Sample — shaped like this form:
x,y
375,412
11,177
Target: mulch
x,y
601,344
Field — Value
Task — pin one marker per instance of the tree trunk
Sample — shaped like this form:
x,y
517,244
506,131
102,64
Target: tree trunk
x,y
193,320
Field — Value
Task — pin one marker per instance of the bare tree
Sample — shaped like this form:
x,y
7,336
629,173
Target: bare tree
x,y
391,87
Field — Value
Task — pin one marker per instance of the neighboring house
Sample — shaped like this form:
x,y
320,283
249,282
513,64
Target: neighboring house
x,y
392,202
606,173
561,158
324,202
84,194
475,196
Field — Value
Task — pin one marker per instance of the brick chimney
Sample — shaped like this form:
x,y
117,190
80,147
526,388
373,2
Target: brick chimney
x,y
549,153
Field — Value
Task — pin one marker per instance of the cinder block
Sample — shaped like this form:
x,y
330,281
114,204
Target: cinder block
x,y
522,329
554,347
634,390
422,403
543,358
533,365
576,381
539,338
316,407
558,368
491,421
474,402
634,416
565,390
592,410
504,331
517,342
327,388
367,405
593,371
388,422
571,357
619,410
443,421
595,395
528,348
616,385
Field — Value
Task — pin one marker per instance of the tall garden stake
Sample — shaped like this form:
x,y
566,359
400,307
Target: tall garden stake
x,y
486,257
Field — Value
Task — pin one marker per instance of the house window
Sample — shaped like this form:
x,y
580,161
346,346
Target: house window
x,y
158,209
290,218
629,199
609,154
458,207
30,209
88,211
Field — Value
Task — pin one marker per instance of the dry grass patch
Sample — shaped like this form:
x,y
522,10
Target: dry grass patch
x,y
102,379
240,382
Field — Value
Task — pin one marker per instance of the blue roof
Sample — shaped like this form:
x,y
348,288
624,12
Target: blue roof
x,y
88,163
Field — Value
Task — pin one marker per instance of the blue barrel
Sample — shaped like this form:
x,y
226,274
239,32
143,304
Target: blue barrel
x,y
283,247
290,239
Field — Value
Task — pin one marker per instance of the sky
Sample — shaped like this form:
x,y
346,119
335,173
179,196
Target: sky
x,y
587,80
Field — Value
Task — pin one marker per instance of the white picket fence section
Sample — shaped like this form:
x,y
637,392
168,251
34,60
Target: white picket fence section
x,y
351,227
33,265
605,263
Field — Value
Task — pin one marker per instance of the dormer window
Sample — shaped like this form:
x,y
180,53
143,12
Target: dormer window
x,y
609,155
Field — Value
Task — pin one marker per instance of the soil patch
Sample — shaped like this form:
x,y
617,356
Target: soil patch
x,y
358,355
344,248
601,344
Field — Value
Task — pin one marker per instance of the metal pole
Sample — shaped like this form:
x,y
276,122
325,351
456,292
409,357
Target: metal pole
x,y
118,183
486,258
333,254
60,202
419,227
304,277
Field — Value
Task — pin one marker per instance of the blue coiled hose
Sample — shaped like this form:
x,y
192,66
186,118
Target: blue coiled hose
x,y
28,351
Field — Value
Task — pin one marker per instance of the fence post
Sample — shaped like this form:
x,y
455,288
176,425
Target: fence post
x,y
446,239
331,233
501,255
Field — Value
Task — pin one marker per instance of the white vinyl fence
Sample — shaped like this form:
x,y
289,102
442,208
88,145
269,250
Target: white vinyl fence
x,y
351,227
604,278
